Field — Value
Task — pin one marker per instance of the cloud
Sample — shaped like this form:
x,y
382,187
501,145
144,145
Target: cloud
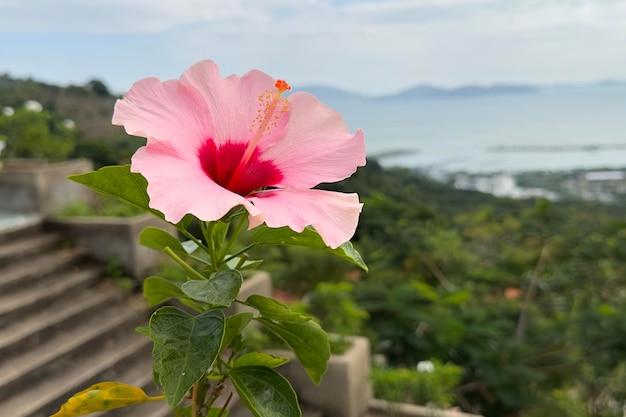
x,y
374,46
294,16
137,16
112,16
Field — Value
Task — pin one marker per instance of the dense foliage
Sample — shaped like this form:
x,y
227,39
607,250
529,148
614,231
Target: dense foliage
x,y
36,134
527,296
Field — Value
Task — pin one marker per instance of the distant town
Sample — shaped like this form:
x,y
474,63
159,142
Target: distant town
x,y
606,186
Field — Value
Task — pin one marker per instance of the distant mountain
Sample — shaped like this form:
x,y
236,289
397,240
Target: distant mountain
x,y
611,83
603,84
421,92
426,92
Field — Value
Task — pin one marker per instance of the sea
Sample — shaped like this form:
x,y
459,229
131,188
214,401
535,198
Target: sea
x,y
556,129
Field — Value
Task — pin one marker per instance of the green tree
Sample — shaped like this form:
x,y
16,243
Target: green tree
x,y
98,87
32,134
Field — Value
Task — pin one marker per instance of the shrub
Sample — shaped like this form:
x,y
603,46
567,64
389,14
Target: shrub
x,y
434,386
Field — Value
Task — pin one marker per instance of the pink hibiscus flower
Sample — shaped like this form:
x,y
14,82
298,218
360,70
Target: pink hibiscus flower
x,y
216,143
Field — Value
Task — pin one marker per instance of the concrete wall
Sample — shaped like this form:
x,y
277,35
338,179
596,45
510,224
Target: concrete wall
x,y
109,238
381,408
32,186
345,390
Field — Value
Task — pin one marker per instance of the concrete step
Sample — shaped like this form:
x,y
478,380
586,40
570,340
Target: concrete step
x,y
57,288
63,328
31,331
28,245
13,226
43,397
68,348
27,272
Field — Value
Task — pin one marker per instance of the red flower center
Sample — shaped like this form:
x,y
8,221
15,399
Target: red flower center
x,y
220,163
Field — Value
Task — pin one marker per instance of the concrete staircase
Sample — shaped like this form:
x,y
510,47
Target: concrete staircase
x,y
63,327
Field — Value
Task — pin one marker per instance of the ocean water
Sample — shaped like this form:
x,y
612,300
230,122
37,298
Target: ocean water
x,y
557,129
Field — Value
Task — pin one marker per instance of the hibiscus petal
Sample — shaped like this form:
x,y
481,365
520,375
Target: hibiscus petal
x,y
234,102
167,110
177,185
317,146
333,215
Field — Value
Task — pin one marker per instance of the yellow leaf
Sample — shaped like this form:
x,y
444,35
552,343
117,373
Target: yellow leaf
x,y
103,396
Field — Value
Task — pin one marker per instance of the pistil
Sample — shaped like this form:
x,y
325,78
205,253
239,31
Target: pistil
x,y
271,103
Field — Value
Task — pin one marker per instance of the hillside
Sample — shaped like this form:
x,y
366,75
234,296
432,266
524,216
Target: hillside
x,y
89,106
525,295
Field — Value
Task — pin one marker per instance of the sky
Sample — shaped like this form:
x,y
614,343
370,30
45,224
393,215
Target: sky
x,y
369,47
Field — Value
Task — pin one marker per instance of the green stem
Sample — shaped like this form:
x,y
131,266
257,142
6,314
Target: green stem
x,y
205,233
198,259
194,400
240,251
215,392
225,405
191,237
242,260
183,264
231,357
233,237
198,394
207,228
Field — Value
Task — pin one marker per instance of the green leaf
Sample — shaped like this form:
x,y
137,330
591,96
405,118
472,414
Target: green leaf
x,y
117,181
425,290
275,310
158,290
143,330
260,359
308,342
221,289
158,239
266,392
182,411
606,310
251,264
185,347
234,326
457,298
218,412
186,221
310,238
219,230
